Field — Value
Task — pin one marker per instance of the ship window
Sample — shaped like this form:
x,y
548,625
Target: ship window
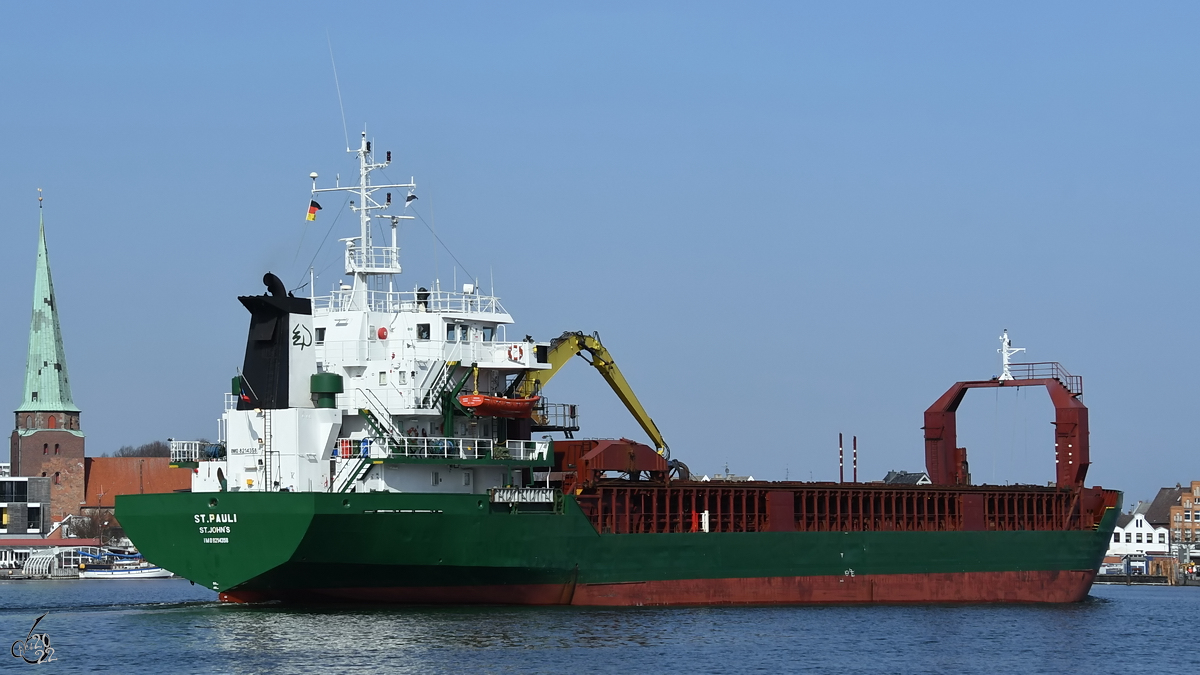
x,y
401,377
422,331
462,333
450,332
320,336
487,337
382,377
1128,538
466,478
436,479
1117,537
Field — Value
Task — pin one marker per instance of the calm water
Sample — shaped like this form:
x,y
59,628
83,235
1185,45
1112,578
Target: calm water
x,y
160,626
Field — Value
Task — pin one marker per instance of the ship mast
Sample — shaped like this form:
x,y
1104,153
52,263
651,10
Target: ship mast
x,y
364,260
1006,351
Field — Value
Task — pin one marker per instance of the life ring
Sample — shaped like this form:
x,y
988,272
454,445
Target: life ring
x,y
412,432
516,353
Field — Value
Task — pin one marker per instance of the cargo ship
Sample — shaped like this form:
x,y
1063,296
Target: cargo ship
x,y
396,446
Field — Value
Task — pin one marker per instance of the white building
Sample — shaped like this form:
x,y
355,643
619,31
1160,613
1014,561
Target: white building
x,y
1135,536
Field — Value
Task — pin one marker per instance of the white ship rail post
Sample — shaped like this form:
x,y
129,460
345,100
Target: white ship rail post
x,y
363,258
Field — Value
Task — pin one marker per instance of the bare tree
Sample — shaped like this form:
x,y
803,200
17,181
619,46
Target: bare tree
x,y
151,449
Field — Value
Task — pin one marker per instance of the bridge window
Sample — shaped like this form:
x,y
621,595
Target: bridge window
x,y
422,331
451,333
320,336
462,333
487,337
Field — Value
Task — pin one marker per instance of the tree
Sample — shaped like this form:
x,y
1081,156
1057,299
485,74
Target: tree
x,y
151,449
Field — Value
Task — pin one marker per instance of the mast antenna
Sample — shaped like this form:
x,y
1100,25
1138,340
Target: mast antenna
x,y
1006,351
339,91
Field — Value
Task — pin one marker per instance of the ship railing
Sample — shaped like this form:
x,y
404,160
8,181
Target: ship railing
x,y
381,259
838,508
407,301
556,416
441,448
529,451
193,451
511,354
1047,370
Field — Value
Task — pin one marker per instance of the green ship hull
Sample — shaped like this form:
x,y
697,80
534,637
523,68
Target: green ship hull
x,y
461,548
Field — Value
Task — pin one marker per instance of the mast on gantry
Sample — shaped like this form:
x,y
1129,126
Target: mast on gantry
x,y
1006,351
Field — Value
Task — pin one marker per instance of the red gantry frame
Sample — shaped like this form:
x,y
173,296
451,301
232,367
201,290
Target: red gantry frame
x,y
947,464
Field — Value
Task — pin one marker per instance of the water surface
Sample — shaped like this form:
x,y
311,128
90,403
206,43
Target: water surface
x,y
159,626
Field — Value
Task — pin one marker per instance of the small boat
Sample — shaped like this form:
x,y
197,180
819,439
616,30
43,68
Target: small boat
x,y
117,566
496,406
144,570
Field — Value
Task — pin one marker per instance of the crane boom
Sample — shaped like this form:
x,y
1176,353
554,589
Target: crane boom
x,y
572,343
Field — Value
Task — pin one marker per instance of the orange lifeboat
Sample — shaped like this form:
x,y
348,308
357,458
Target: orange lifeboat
x,y
496,406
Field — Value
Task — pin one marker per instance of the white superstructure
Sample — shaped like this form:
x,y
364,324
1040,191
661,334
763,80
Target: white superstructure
x,y
401,355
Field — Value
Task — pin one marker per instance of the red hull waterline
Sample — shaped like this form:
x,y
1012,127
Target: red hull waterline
x,y
961,587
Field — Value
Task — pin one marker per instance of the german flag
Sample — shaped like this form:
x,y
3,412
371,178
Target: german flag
x,y
313,207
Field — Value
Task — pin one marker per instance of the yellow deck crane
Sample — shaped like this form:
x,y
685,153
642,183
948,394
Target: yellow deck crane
x,y
571,344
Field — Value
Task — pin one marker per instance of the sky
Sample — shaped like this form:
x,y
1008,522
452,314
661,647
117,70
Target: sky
x,y
785,220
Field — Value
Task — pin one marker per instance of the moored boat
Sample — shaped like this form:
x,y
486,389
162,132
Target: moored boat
x,y
112,565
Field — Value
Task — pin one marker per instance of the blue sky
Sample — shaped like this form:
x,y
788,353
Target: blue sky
x,y
785,220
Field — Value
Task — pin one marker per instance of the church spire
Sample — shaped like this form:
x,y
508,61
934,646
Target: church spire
x,y
47,387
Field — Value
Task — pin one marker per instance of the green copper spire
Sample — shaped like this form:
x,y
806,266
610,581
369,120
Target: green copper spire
x,y
46,384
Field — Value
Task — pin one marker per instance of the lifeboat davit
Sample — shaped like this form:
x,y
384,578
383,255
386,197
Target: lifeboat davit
x,y
496,406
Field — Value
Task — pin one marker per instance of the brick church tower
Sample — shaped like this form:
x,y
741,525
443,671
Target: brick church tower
x,y
47,440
